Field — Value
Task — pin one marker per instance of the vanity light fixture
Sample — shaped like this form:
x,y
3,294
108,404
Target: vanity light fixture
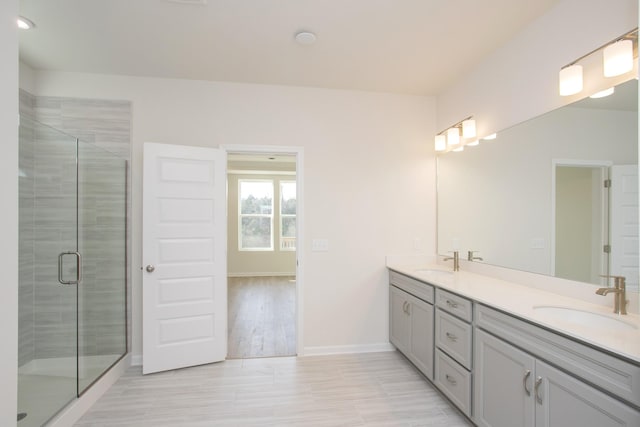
x,y
441,142
618,57
453,136
24,23
460,148
490,137
603,93
571,80
469,128
473,143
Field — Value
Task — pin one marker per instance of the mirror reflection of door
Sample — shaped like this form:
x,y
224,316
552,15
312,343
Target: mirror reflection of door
x,y
624,223
581,219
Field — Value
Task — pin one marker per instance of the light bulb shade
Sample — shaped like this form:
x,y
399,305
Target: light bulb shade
x,y
441,143
570,80
453,136
469,128
603,93
618,58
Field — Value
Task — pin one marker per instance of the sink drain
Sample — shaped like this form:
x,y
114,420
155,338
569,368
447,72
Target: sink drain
x,y
22,416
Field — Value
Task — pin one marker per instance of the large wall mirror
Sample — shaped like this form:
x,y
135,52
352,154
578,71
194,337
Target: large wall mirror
x,y
556,195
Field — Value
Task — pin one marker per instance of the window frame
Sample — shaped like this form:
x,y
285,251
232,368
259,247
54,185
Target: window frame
x,y
241,216
282,216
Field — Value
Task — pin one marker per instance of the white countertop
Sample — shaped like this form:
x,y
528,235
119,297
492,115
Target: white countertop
x,y
520,301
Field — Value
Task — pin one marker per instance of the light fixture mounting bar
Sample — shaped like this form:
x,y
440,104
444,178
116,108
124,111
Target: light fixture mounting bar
x,y
631,35
457,125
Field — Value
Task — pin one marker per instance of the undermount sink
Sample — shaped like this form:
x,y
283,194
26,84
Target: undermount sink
x,y
584,318
433,272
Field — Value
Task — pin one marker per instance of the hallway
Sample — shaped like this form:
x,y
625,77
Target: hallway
x,y
261,317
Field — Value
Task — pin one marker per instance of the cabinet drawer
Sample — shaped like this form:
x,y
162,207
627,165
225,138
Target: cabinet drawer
x,y
415,287
601,369
453,336
454,304
454,381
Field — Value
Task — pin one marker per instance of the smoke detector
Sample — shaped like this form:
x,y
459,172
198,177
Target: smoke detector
x,y
305,37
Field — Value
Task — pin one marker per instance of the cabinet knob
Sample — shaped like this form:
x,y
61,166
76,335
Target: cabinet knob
x,y
150,268
451,380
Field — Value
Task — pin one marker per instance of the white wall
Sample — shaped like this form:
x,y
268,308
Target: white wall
x,y
9,211
520,80
369,179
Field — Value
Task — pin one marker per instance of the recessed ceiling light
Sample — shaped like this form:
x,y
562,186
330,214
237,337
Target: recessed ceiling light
x,y
305,37
24,23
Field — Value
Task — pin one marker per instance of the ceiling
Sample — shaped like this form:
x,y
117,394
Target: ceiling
x,y
404,46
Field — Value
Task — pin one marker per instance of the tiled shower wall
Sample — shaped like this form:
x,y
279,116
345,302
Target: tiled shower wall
x,y
47,226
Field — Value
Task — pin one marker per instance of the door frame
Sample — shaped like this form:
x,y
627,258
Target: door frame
x,y
298,152
602,164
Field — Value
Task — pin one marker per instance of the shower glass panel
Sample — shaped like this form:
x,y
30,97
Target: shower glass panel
x,y
47,309
72,321
102,242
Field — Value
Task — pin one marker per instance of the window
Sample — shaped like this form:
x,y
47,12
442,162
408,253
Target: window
x,y
256,215
287,215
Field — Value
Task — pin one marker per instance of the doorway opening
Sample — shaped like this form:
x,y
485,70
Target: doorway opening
x,y
581,220
262,242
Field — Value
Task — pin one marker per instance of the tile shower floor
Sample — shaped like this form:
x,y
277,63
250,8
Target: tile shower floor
x,y
41,396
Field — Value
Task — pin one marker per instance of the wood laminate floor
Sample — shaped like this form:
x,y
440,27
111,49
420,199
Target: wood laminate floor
x,y
372,389
261,317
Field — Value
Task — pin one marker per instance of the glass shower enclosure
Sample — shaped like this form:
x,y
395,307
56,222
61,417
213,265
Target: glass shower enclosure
x,y
72,268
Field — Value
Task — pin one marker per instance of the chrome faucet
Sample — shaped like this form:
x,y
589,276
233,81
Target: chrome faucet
x,y
456,260
471,257
620,291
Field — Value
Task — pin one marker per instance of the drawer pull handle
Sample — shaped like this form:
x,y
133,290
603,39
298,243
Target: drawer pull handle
x,y
536,389
527,374
451,337
405,307
451,380
452,304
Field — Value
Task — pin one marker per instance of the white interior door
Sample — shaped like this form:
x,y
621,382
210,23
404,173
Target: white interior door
x,y
624,223
184,256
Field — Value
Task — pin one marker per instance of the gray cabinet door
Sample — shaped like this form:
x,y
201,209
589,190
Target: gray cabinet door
x,y
503,384
563,400
421,349
399,320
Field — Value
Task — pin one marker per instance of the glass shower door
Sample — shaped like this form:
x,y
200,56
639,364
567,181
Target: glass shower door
x,y
47,373
102,242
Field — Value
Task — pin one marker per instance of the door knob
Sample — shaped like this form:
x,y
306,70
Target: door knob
x,y
150,268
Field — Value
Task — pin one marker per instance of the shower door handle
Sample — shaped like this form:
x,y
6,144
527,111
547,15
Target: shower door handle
x,y
78,268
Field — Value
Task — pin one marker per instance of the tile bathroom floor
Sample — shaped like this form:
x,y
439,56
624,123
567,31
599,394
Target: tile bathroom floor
x,y
372,389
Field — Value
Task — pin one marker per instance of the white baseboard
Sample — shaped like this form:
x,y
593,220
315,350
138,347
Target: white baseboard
x,y
76,409
260,274
347,349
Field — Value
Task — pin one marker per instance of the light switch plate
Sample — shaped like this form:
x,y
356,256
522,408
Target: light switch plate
x,y
320,245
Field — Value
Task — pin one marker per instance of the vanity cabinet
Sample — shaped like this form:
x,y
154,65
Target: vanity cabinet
x,y
411,320
453,360
515,387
